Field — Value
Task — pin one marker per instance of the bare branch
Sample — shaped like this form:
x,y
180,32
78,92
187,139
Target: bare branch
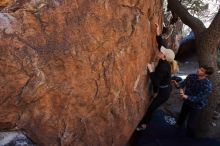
x,y
214,27
194,23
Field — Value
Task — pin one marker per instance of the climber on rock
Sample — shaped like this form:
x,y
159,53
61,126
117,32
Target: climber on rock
x,y
161,79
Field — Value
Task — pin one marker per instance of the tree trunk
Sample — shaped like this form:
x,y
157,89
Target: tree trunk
x,y
206,45
206,48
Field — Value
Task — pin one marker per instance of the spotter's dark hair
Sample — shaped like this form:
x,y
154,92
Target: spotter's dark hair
x,y
208,70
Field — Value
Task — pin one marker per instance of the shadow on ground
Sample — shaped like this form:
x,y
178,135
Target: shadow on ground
x,y
162,132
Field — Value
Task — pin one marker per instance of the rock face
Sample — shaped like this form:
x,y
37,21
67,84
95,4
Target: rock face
x,y
72,72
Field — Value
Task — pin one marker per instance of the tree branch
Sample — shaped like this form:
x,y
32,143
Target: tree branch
x,y
194,23
214,27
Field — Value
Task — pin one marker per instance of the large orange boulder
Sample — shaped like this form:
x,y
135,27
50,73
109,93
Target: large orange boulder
x,y
72,73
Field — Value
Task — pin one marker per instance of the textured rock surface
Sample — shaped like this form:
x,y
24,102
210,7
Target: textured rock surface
x,y
72,72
